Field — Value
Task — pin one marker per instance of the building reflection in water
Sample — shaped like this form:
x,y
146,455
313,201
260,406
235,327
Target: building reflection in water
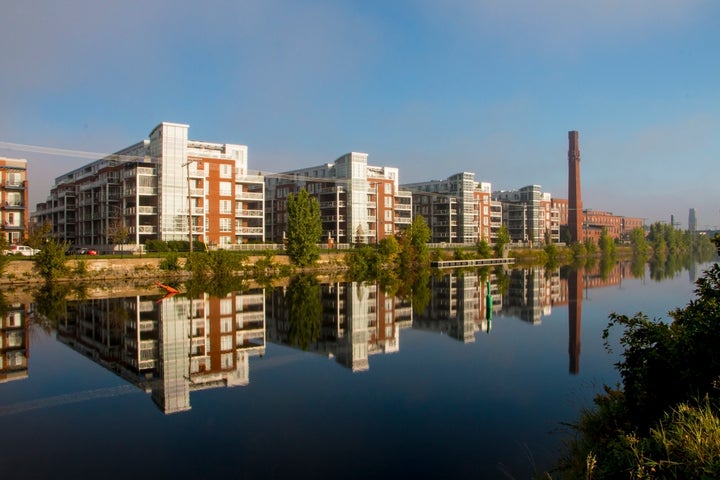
x,y
458,305
357,320
575,289
532,293
14,343
172,346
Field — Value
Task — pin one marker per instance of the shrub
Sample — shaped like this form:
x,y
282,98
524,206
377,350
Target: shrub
x,y
50,262
170,262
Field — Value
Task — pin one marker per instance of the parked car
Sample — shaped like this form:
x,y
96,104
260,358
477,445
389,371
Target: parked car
x,y
81,251
20,250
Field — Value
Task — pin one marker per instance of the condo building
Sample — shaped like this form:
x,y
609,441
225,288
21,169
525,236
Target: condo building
x,y
359,203
14,199
457,209
166,187
529,215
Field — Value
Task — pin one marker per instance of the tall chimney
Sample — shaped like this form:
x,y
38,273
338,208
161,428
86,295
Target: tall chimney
x,y
575,214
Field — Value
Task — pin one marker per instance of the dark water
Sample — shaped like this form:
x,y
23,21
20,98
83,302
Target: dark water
x,y
145,387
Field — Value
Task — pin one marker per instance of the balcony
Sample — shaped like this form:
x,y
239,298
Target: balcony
x,y
146,210
248,230
145,229
240,195
147,190
9,226
15,185
196,173
249,213
14,206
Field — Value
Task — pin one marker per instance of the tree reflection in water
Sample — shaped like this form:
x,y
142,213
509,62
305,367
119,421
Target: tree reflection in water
x,y
304,310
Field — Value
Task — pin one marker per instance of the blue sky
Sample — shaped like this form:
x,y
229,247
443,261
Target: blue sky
x,y
433,87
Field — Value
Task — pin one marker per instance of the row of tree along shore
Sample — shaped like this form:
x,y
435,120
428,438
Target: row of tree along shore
x,y
401,256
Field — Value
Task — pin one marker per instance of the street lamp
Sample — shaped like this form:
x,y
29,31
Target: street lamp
x,y
190,225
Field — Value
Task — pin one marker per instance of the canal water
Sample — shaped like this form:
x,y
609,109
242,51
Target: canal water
x,y
471,376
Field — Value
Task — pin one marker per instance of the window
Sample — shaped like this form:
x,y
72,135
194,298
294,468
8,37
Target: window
x,y
388,202
225,189
225,225
388,215
225,206
225,170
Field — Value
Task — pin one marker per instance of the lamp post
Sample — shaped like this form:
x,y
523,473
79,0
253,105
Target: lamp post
x,y
190,225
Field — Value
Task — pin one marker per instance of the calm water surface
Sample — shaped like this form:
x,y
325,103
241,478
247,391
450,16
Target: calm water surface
x,y
146,387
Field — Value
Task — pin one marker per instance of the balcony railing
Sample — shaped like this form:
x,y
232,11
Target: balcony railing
x,y
145,229
248,195
248,230
249,213
147,190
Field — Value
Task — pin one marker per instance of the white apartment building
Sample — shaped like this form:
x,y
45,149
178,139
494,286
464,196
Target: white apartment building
x,y
359,203
529,215
457,209
166,187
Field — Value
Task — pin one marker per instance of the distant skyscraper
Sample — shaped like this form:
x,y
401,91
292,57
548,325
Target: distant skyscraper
x,y
575,215
692,221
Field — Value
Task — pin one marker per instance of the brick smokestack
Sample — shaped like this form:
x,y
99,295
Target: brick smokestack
x,y
575,213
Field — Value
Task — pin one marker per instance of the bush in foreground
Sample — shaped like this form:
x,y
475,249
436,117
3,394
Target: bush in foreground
x,y
662,422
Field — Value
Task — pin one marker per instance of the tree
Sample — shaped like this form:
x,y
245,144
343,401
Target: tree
x,y
419,237
304,228
119,233
50,262
37,234
607,244
503,238
638,242
483,249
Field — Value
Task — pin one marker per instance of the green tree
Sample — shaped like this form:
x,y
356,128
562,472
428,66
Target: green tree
x,y
607,244
414,250
37,234
50,262
419,237
483,249
119,234
638,242
4,259
304,228
502,240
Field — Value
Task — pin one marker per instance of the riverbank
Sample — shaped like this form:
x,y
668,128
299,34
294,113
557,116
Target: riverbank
x,y
128,276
